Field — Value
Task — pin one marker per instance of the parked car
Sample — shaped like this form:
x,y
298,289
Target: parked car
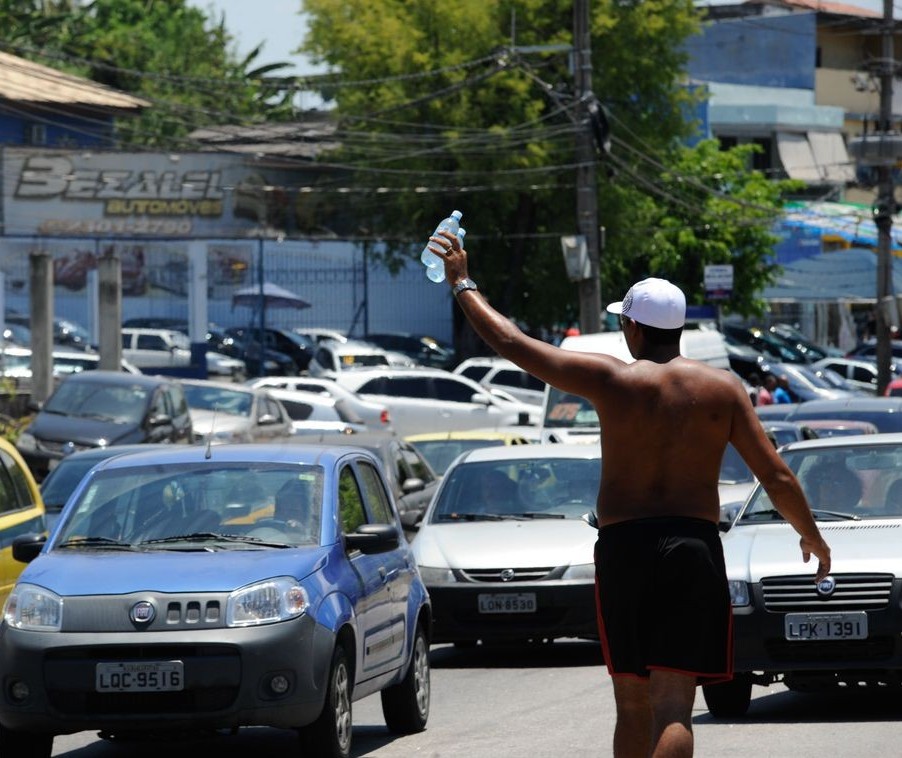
x,y
197,589
65,477
506,375
15,364
860,373
223,412
893,388
318,334
883,412
775,348
374,415
260,361
410,477
66,333
804,383
334,360
441,448
312,413
828,427
299,347
151,349
503,548
422,349
844,630
867,350
795,339
429,400
101,409
22,511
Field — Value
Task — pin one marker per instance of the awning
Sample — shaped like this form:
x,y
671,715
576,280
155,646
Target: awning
x,y
797,157
831,156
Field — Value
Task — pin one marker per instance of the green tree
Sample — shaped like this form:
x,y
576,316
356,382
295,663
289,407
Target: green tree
x,y
466,104
170,54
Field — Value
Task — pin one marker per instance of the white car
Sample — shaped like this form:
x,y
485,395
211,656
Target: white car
x,y
860,373
500,373
433,400
504,549
156,348
375,415
223,412
312,413
845,630
334,360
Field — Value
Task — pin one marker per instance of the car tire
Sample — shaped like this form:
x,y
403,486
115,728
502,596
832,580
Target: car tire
x,y
729,699
25,744
330,735
406,705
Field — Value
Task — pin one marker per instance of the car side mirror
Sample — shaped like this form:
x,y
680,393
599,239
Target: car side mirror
x,y
27,547
374,538
160,419
412,484
267,419
481,399
35,405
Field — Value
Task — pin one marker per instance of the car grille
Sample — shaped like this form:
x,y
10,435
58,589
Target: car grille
x,y
519,575
69,674
854,592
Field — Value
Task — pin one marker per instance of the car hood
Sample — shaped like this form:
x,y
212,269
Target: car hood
x,y
72,572
734,492
205,422
505,544
752,552
89,431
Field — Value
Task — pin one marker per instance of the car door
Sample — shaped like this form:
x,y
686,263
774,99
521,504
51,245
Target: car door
x,y
376,647
455,400
271,421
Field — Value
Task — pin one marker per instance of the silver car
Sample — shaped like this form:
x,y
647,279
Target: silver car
x,y
504,549
222,412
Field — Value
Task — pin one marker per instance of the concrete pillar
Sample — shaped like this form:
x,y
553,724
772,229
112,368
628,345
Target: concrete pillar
x,y
40,265
197,305
109,271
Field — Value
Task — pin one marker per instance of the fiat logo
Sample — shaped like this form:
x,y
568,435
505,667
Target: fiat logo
x,y
142,613
826,586
507,575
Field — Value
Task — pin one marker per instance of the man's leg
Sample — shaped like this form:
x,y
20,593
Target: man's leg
x,y
671,697
632,735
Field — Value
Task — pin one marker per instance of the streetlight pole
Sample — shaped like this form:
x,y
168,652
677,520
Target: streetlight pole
x,y
586,180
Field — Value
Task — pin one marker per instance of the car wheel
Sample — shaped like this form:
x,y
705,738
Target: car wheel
x,y
729,699
330,735
406,705
25,744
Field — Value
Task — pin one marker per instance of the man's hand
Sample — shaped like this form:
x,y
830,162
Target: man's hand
x,y
821,551
447,246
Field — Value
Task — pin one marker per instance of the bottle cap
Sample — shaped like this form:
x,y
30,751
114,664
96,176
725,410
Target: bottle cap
x,y
456,214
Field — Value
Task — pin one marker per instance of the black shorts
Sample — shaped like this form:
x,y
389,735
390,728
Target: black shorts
x,y
662,598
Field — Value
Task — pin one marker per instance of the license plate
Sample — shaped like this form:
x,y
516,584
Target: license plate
x,y
503,602
140,676
826,626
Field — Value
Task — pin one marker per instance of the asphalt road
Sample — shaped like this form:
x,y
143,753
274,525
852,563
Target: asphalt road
x,y
556,702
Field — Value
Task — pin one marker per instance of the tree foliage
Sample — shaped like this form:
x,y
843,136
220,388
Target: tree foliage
x,y
468,104
164,51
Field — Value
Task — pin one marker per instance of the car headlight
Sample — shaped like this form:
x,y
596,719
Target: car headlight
x,y
431,575
739,592
266,602
34,609
580,571
26,441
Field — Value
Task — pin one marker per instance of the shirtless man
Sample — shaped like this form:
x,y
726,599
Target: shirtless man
x,y
665,422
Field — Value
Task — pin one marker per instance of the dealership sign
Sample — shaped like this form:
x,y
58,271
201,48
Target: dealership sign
x,y
66,193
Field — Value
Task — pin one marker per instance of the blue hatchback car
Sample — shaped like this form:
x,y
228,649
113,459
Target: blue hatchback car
x,y
218,587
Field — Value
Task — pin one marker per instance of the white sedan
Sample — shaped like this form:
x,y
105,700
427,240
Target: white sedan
x,y
504,549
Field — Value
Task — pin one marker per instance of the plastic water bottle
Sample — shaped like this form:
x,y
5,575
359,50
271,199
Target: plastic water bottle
x,y
435,266
437,273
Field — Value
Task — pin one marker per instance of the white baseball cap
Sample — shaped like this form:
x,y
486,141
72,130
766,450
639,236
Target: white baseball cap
x,y
653,302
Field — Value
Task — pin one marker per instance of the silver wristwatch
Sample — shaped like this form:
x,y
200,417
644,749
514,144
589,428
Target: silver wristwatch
x,y
463,284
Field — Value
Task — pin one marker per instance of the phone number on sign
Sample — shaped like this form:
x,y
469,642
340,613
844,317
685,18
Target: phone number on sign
x,y
116,226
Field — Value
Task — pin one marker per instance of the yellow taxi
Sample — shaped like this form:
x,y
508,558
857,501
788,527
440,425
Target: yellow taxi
x,y
21,512
440,448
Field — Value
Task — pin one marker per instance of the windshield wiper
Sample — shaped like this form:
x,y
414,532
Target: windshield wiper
x,y
212,537
540,514
837,514
472,517
769,513
96,542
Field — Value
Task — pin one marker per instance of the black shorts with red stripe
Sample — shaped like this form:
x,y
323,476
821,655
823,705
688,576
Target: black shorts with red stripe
x,y
662,598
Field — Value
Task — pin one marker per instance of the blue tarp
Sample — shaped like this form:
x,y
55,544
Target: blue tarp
x,y
839,275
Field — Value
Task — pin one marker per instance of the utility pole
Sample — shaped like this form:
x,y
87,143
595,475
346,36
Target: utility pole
x,y
586,180
884,208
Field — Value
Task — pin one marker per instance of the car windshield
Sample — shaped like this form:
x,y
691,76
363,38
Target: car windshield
x,y
521,488
733,470
359,360
440,453
62,481
223,399
566,411
841,483
196,506
118,403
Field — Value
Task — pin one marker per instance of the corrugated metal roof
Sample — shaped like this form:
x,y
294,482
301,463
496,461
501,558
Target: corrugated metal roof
x,y
24,81
840,275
